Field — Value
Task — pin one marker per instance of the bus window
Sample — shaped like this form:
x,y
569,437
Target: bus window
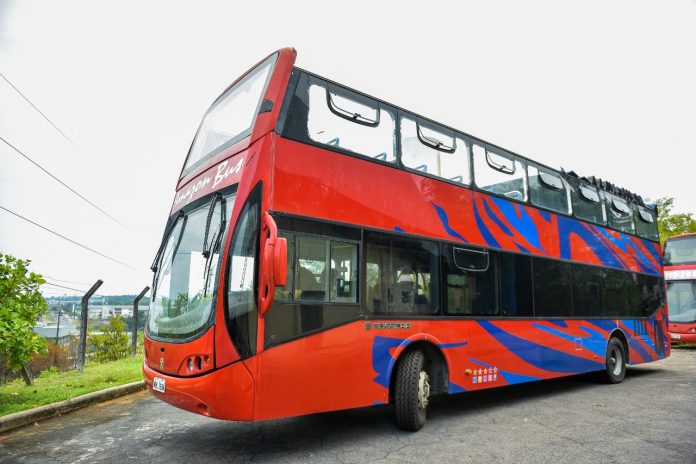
x,y
548,190
231,117
469,276
435,152
516,285
682,301
646,225
350,122
615,293
620,214
404,273
651,293
552,296
587,204
499,173
587,291
344,272
680,251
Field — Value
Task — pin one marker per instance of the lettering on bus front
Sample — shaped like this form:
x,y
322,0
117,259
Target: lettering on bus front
x,y
203,186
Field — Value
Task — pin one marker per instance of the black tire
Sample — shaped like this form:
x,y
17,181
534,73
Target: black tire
x,y
615,362
411,391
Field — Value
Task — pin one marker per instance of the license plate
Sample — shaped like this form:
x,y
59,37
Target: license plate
x,y
675,336
158,384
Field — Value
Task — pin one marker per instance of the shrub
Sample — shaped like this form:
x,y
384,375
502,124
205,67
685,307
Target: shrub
x,y
111,343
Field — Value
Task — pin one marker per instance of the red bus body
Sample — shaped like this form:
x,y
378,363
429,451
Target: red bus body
x,y
352,363
681,329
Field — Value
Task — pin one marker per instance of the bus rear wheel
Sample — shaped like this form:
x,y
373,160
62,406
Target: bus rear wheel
x,y
412,391
615,364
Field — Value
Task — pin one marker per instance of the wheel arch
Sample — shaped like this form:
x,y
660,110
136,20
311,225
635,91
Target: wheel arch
x,y
437,362
618,333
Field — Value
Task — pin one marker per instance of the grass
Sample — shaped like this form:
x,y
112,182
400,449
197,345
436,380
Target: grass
x,y
52,386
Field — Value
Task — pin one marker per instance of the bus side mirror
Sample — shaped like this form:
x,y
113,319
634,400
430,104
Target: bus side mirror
x,y
274,256
280,262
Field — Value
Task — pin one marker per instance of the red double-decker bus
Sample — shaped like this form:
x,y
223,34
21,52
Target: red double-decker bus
x,y
328,250
680,276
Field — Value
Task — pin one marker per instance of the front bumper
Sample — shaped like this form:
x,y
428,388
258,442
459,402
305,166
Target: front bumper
x,y
226,393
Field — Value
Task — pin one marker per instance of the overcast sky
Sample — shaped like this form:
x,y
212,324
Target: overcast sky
x,y
605,88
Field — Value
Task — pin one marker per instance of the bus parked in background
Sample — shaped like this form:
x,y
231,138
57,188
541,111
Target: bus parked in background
x,y
328,250
680,276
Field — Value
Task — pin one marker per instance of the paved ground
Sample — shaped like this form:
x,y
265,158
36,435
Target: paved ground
x,y
649,418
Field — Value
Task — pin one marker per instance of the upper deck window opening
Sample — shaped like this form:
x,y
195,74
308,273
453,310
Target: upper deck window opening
x,y
619,212
548,190
232,116
587,203
437,152
499,173
646,225
350,122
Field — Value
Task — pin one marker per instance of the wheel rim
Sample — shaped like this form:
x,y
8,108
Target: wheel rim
x,y
616,361
423,390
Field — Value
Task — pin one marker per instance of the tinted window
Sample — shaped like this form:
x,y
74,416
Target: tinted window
x,y
552,295
651,294
615,293
470,281
548,190
401,276
587,204
499,173
343,119
516,285
587,291
434,151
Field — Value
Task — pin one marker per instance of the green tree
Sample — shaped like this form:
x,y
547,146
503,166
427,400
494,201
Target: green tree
x,y
671,224
112,343
21,305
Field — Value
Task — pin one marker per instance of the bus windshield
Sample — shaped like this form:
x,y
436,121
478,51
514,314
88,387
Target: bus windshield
x,y
186,274
682,301
680,251
231,117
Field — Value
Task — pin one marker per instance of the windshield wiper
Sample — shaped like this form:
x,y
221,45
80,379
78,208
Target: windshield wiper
x,y
168,231
215,240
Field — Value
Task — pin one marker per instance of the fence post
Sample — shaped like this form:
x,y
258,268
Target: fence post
x,y
82,354
135,320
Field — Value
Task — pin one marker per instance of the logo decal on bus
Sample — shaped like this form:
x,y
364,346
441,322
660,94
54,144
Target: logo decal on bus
x,y
222,172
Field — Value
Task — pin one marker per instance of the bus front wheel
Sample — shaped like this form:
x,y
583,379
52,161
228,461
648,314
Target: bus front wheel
x,y
412,391
615,364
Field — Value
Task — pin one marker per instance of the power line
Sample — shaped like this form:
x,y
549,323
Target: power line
x,y
39,111
60,181
68,239
70,288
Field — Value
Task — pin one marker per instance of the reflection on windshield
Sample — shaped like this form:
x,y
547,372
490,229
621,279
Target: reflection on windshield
x,y
184,284
681,298
680,251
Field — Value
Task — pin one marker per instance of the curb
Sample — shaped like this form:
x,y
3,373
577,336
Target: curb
x,y
22,418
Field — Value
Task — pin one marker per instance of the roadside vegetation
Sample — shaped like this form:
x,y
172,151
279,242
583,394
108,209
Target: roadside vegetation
x,y
51,385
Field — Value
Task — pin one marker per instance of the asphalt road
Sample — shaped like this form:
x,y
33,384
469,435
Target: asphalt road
x,y
649,418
